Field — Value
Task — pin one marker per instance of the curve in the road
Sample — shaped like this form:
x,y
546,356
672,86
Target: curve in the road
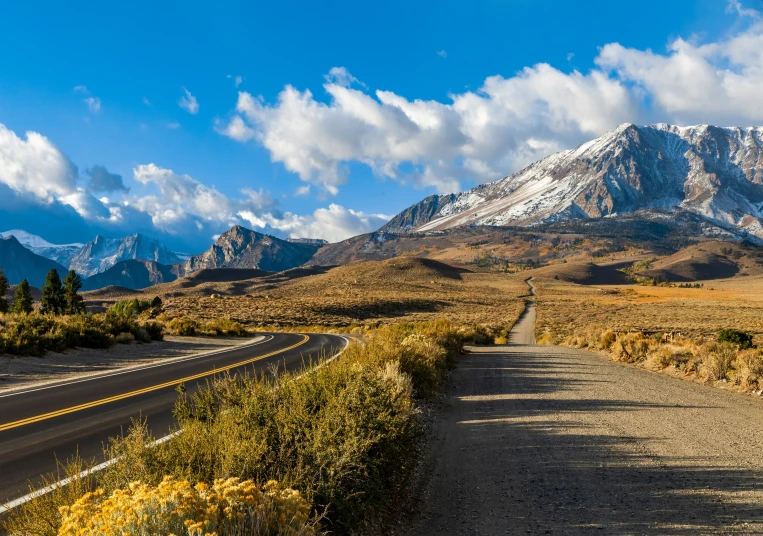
x,y
40,425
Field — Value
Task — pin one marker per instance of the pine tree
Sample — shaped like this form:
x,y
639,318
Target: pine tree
x,y
53,301
22,304
3,291
73,302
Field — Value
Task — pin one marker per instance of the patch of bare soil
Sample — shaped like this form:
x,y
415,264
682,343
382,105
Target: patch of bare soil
x,y
548,440
23,372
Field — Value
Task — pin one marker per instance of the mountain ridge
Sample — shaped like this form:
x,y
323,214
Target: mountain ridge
x,y
103,253
240,247
714,172
19,263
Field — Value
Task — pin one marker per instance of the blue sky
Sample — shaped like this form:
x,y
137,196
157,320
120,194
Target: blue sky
x,y
321,119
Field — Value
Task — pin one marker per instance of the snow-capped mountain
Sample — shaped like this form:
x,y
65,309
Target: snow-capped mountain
x,y
714,172
60,253
103,252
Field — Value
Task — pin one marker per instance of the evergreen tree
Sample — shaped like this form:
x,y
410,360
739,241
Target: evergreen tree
x,y
22,304
53,301
73,302
3,291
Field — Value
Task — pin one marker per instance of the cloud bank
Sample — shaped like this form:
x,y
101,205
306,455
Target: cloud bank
x,y
509,122
35,175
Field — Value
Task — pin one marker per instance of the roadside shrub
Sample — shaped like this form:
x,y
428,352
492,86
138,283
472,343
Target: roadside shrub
x,y
225,326
749,368
608,338
630,347
142,335
545,338
183,326
124,338
227,507
155,330
735,336
672,355
134,307
717,359
42,516
34,334
501,339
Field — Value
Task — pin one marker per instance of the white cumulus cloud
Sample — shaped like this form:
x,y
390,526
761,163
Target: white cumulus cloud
x,y
188,102
509,122
479,135
93,104
334,223
35,166
33,171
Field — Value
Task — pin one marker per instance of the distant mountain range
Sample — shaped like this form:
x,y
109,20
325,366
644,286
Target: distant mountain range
x,y
19,263
137,261
133,274
715,173
99,254
60,253
102,253
659,181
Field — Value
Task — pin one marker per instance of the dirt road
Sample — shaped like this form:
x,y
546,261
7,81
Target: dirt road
x,y
523,331
548,440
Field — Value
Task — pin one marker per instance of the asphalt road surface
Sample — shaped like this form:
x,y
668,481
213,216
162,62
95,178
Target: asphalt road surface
x,y
38,425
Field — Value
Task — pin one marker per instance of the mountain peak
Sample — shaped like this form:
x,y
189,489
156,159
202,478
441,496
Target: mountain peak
x,y
714,172
103,252
240,247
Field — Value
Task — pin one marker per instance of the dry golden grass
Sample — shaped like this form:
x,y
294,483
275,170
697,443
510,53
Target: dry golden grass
x,y
564,308
359,294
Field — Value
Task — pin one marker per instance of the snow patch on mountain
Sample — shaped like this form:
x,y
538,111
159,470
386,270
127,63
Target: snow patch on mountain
x,y
714,172
60,253
103,252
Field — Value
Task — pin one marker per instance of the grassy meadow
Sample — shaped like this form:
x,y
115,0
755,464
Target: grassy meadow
x,y
663,328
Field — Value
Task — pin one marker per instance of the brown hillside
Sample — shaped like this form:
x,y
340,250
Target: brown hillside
x,y
396,290
585,273
707,261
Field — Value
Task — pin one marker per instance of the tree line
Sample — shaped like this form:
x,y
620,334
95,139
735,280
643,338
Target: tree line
x,y
58,297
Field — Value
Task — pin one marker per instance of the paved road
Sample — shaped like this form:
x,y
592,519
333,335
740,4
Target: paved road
x,y
548,440
38,424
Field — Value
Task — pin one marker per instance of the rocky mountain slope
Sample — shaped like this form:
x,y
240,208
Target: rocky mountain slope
x,y
713,172
19,263
132,274
60,253
103,252
242,248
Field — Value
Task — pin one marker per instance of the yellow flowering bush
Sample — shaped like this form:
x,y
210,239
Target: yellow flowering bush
x,y
227,507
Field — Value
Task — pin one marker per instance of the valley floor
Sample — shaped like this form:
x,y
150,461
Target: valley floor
x,y
549,440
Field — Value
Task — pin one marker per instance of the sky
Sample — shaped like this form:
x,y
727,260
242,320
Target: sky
x,y
324,119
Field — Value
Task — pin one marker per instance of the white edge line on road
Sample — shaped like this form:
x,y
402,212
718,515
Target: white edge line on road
x,y
7,507
257,340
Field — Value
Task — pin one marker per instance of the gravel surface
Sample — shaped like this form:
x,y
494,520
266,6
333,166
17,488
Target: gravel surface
x,y
548,440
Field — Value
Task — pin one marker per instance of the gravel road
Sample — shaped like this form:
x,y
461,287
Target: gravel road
x,y
547,440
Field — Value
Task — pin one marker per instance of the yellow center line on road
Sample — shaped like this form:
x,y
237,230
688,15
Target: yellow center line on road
x,y
103,401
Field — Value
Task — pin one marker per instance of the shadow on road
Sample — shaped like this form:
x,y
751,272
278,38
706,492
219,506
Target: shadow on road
x,y
553,442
